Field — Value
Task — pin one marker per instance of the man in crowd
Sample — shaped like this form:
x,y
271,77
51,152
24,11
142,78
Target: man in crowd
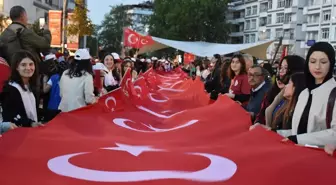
x,y
257,78
248,60
17,36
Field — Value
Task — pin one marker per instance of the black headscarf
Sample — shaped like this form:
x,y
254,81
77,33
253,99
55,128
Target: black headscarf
x,y
330,52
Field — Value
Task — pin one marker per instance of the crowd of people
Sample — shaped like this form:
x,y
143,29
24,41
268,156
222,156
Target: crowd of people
x,y
294,98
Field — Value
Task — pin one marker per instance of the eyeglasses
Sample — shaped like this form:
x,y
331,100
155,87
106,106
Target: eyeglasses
x,y
253,75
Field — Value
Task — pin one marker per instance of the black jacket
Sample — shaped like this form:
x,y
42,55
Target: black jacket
x,y
13,109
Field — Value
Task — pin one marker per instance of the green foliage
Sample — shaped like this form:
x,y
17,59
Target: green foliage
x,y
190,20
81,24
111,29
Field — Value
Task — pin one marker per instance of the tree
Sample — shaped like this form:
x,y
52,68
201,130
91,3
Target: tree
x,y
92,42
81,24
193,20
111,30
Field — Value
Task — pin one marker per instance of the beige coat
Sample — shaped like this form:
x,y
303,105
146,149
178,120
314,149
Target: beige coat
x,y
76,92
317,132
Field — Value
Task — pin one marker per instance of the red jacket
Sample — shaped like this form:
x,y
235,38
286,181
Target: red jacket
x,y
240,85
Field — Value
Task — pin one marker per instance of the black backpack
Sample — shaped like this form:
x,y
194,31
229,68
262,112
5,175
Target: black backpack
x,y
9,45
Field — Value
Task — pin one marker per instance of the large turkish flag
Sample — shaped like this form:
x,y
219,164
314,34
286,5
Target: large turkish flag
x,y
167,134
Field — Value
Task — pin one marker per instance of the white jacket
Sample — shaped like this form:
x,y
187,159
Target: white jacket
x,y
317,132
76,92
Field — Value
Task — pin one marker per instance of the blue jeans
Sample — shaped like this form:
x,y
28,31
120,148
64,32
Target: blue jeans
x,y
4,127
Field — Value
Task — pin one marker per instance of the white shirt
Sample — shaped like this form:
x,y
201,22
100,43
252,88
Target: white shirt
x,y
76,92
205,73
259,87
109,79
28,100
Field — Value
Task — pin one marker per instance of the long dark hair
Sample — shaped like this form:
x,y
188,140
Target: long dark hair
x,y
123,65
286,111
79,67
15,75
206,62
115,73
241,59
295,64
224,72
219,61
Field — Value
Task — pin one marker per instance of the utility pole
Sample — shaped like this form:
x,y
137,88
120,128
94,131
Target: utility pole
x,y
64,19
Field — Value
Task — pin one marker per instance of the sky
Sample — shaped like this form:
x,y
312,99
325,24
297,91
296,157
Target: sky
x,y
98,8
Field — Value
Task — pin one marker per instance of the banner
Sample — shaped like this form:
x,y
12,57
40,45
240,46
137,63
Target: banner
x,y
55,27
72,40
162,135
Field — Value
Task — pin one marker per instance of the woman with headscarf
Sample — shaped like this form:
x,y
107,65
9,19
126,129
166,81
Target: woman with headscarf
x,y
311,124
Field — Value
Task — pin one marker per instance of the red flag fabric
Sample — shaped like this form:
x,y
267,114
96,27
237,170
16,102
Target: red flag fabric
x,y
284,52
4,72
188,58
135,40
160,136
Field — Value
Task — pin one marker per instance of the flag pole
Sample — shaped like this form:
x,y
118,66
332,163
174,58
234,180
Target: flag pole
x,y
277,50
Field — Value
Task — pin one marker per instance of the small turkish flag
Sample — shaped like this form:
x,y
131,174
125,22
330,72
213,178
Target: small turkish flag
x,y
188,58
135,40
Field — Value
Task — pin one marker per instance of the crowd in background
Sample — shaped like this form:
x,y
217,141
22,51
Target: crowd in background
x,y
294,97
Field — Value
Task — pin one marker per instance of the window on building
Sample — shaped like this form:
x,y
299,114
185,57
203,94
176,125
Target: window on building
x,y
326,1
288,18
288,3
281,3
248,11
241,27
280,17
278,33
254,10
248,25
253,24
247,38
326,16
289,34
269,19
262,21
268,33
263,7
313,18
253,38
312,35
325,33
270,4
314,2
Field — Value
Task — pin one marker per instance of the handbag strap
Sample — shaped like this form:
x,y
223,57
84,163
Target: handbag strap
x,y
330,107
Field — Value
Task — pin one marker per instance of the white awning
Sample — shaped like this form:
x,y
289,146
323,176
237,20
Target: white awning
x,y
205,49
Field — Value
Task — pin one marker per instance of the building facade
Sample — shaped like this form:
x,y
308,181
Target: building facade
x,y
320,24
139,14
300,22
35,8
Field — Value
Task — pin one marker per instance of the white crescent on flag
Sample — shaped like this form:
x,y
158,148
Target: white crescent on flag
x,y
129,39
